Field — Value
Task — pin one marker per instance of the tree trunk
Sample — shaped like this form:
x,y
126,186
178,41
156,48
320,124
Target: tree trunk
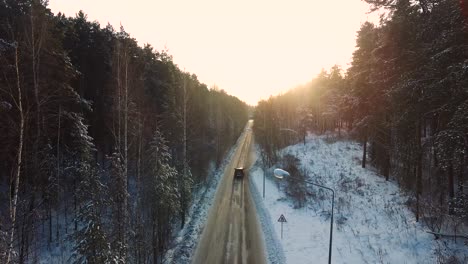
x,y
18,161
49,212
139,207
23,244
65,215
58,177
418,170
364,152
36,46
125,179
386,169
119,101
460,174
387,151
339,127
451,188
75,206
155,241
184,157
441,189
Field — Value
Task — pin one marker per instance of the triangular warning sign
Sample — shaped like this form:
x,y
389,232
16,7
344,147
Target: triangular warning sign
x,y
282,219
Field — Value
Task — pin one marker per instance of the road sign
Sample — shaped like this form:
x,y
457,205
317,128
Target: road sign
x,y
282,219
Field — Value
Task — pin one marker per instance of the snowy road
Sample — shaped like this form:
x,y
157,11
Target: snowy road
x,y
232,233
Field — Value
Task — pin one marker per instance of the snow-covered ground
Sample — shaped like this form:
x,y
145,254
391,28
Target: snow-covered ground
x,y
372,223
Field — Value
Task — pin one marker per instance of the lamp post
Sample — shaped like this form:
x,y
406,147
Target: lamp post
x,y
264,170
280,174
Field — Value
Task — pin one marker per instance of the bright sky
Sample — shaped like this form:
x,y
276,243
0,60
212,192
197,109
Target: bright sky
x,y
250,48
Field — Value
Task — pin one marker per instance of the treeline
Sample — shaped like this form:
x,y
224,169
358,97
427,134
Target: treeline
x,y
102,141
405,97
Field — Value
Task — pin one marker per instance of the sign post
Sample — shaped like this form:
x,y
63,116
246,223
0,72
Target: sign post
x,y
282,220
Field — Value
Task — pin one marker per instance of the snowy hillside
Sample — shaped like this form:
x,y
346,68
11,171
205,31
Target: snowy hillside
x,y
372,223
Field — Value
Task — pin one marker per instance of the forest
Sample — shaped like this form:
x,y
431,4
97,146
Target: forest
x,y
102,140
404,97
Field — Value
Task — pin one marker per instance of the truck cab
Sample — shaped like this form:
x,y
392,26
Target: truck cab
x,y
239,173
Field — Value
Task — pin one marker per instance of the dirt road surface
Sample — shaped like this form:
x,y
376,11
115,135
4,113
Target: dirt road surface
x,y
232,233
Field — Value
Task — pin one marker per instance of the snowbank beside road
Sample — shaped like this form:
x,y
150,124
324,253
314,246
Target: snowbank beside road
x,y
372,223
275,253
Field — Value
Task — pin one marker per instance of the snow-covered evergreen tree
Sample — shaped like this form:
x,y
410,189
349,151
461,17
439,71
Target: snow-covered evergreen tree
x,y
92,244
162,195
91,239
118,195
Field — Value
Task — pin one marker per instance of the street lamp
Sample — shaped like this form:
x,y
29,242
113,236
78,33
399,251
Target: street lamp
x,y
264,158
280,174
289,130
292,131
264,171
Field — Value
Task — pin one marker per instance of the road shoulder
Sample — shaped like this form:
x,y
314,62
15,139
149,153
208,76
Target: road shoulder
x,y
274,249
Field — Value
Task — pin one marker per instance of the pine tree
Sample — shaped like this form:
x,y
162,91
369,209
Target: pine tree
x,y
92,243
162,192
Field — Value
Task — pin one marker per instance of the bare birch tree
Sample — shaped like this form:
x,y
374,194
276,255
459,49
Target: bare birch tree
x,y
14,202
